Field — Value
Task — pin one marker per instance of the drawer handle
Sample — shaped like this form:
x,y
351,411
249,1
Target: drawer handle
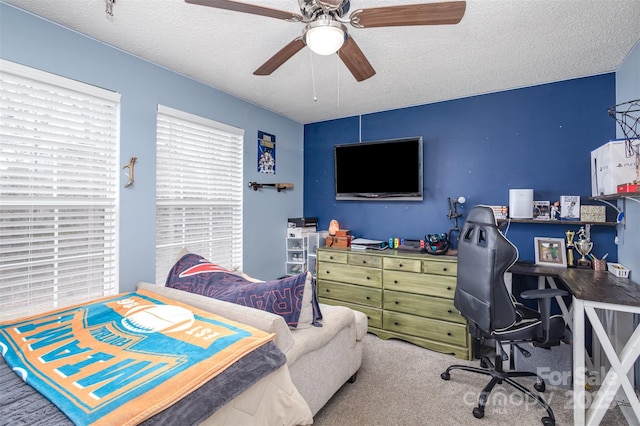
x,y
397,303
364,262
450,311
395,323
448,287
444,269
449,334
327,290
328,272
331,257
368,278
395,281
368,298
400,265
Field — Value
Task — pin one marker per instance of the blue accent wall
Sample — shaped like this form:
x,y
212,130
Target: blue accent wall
x,y
479,147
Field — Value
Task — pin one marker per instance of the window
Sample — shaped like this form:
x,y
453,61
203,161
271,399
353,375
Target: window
x,y
58,191
199,190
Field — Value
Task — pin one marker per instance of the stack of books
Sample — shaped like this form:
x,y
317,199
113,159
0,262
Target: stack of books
x,y
500,212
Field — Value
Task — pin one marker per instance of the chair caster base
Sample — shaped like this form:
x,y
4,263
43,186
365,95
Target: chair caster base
x,y
548,421
478,413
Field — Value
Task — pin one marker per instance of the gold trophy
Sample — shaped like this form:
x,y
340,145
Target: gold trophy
x,y
583,246
570,234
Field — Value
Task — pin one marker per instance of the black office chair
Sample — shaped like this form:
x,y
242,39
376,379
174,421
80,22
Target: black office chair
x,y
484,255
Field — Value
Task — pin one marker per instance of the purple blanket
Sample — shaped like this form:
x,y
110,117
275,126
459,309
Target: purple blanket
x,y
283,297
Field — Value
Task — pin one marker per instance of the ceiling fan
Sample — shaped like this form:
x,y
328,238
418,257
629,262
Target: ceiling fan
x,y
325,32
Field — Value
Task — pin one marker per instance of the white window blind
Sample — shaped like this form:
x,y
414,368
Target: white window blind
x,y
199,190
58,191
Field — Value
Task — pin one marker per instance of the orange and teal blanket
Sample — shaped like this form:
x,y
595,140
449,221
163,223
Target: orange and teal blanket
x,y
122,359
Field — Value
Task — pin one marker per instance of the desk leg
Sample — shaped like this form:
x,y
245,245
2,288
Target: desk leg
x,y
579,392
617,375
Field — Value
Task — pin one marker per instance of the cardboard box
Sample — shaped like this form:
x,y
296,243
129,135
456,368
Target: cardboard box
x,y
629,187
338,242
302,222
343,233
610,167
300,232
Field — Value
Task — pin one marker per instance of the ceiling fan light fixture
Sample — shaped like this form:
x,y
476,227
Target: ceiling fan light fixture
x,y
325,36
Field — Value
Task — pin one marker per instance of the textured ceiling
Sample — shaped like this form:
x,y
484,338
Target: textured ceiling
x,y
498,45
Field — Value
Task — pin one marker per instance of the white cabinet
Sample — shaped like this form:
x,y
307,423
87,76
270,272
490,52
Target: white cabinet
x,y
301,251
296,260
314,240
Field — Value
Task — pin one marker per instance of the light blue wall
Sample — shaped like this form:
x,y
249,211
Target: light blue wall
x,y
627,89
32,41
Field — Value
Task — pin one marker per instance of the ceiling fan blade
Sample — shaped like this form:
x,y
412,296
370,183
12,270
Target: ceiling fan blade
x,y
248,8
355,60
412,14
281,57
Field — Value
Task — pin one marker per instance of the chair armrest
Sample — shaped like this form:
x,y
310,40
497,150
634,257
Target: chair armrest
x,y
543,293
544,306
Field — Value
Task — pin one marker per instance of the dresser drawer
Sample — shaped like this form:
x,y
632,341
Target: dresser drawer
x,y
402,264
374,316
370,277
365,260
429,285
353,293
333,256
440,267
442,331
424,306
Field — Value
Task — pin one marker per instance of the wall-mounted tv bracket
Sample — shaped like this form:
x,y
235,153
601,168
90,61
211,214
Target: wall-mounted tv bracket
x,y
278,186
453,214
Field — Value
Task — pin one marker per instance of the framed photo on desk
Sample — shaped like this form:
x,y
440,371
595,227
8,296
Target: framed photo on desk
x,y
550,252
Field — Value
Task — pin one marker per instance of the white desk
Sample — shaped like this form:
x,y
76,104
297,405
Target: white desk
x,y
593,290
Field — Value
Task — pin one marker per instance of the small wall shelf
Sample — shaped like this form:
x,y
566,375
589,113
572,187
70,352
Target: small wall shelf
x,y
557,222
278,186
624,196
635,196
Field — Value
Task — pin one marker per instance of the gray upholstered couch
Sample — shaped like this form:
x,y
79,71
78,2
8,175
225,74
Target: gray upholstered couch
x,y
320,359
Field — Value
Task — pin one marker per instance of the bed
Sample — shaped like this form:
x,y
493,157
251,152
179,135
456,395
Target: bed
x,y
247,384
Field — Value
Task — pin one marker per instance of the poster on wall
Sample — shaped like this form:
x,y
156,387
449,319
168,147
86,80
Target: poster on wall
x,y
266,153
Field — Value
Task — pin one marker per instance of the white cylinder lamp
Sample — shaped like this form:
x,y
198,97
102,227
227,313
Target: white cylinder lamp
x,y
521,203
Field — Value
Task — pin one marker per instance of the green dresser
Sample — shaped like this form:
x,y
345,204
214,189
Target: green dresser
x,y
407,296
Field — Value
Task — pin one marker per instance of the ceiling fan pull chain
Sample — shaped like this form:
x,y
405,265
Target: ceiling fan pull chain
x,y
313,77
338,65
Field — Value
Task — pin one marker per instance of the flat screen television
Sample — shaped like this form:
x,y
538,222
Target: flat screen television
x,y
381,170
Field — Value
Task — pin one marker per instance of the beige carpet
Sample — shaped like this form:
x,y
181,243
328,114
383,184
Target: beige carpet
x,y
399,384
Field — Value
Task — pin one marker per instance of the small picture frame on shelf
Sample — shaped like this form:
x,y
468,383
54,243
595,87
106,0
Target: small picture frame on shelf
x,y
541,210
550,252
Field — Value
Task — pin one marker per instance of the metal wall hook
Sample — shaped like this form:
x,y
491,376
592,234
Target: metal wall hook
x,y
130,172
